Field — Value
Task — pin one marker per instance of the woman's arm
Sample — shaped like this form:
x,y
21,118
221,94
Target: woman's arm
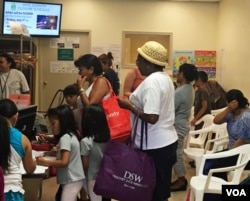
x,y
128,83
126,104
29,163
99,91
24,84
239,142
220,117
200,113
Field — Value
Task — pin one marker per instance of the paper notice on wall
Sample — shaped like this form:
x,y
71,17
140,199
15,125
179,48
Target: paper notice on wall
x,y
98,50
72,42
63,67
65,42
221,66
57,42
115,49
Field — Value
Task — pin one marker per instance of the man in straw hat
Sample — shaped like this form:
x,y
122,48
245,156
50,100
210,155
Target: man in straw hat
x,y
153,99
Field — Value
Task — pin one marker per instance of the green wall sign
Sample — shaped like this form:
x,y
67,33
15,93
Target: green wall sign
x,y
65,54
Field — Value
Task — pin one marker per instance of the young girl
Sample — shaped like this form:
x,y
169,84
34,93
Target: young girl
x,y
71,93
4,152
96,135
14,149
68,164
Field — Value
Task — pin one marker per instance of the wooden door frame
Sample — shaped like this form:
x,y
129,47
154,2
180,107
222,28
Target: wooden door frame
x,y
39,72
125,50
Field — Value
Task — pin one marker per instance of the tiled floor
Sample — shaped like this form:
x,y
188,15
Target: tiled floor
x,y
180,195
50,188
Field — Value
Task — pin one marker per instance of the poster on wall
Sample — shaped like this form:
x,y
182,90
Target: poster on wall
x,y
181,57
204,60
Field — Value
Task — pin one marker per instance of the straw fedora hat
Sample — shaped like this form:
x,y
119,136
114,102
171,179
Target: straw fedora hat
x,y
154,52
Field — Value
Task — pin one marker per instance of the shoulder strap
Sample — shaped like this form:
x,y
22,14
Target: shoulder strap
x,y
133,130
110,87
144,125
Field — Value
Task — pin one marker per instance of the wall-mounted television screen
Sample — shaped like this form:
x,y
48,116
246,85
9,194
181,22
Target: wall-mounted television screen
x,y
40,19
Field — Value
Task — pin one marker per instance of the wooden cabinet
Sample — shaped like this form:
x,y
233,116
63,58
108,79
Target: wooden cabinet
x,y
23,50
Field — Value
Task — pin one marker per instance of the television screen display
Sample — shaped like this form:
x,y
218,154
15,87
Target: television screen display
x,y
26,120
40,19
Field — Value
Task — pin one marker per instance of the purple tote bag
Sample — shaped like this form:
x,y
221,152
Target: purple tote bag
x,y
126,174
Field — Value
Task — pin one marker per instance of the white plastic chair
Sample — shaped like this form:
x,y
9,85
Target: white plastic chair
x,y
191,114
218,143
220,140
199,141
215,112
210,184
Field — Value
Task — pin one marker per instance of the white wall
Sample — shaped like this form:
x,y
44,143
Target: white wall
x,y
222,26
193,24
234,38
190,22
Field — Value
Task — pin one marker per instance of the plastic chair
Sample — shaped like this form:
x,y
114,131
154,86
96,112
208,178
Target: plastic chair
x,y
210,184
218,143
191,114
220,140
199,141
214,112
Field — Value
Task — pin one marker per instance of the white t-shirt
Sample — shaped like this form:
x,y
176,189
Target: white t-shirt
x,y
13,82
74,170
155,95
95,152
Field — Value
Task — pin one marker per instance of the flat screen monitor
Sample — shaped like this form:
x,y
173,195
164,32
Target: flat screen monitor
x,y
26,120
40,19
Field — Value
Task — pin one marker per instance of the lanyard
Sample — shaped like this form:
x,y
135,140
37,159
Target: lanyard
x,y
3,87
